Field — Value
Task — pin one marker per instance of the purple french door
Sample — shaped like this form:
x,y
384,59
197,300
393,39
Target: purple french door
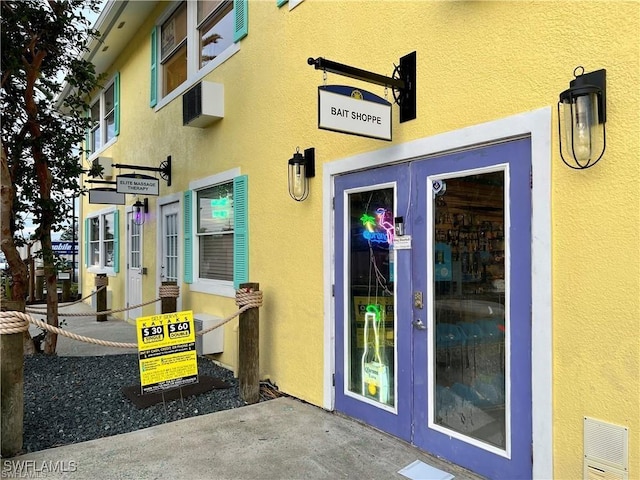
x,y
433,304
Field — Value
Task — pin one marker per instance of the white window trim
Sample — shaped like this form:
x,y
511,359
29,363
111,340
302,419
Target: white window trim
x,y
194,74
204,285
100,269
162,201
103,126
294,3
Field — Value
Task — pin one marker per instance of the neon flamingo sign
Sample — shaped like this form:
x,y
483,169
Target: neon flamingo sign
x,y
373,224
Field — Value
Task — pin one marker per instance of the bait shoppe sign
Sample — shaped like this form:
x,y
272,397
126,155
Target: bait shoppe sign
x,y
358,112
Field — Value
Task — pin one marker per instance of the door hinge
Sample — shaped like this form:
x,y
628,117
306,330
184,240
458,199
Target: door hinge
x,y
530,179
333,290
333,379
333,203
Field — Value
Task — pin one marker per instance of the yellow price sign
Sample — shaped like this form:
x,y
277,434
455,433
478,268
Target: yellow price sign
x,y
167,351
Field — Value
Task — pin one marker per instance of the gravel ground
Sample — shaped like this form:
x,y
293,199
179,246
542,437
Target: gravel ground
x,y
75,399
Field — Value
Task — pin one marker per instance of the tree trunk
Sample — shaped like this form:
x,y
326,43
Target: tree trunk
x,y
11,389
17,267
51,339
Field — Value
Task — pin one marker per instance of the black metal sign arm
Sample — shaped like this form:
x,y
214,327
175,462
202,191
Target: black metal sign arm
x,y
405,85
353,72
164,169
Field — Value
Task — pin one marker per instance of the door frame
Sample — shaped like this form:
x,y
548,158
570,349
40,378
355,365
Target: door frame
x,y
162,201
127,214
536,124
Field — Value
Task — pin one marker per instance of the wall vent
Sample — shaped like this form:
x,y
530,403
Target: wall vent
x,y
203,104
211,342
606,451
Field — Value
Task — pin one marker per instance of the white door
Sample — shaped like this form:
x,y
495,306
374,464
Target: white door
x,y
169,255
134,268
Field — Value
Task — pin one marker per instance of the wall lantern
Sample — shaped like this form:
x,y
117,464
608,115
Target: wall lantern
x,y
581,119
301,169
140,210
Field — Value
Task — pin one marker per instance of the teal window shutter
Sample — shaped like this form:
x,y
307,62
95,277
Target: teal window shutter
x,y
153,100
240,232
86,242
279,3
188,236
240,9
116,241
116,103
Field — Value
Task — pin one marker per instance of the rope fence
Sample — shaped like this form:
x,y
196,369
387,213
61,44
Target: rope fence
x,y
18,322
44,309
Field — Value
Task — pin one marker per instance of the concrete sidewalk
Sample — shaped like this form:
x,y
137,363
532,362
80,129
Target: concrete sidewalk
x,y
279,439
113,330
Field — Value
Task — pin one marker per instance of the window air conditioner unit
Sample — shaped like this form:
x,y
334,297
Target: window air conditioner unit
x,y
203,104
211,342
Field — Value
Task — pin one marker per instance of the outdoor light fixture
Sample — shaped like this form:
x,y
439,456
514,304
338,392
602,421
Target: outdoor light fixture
x,y
140,211
301,169
581,119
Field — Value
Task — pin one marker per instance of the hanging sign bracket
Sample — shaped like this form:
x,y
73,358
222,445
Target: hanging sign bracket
x,y
403,81
164,169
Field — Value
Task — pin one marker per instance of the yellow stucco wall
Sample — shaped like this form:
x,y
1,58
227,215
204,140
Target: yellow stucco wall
x,y
477,61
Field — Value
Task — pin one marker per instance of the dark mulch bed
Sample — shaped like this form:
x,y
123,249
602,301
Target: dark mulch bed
x,y
75,399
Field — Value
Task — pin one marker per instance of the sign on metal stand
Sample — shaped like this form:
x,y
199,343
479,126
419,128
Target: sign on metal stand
x,y
167,351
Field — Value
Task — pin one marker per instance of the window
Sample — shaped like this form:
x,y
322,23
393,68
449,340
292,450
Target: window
x,y
105,117
215,228
215,28
173,49
101,242
192,39
215,232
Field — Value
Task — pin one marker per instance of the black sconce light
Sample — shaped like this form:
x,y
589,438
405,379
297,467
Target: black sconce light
x,y
301,169
140,211
581,119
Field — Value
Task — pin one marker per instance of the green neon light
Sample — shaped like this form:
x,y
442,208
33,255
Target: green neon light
x,y
368,221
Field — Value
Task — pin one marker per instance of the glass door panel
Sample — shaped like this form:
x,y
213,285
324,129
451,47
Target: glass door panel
x,y
372,341
371,334
468,287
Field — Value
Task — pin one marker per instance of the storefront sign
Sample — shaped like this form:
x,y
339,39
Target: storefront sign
x,y
64,248
167,351
358,112
138,184
107,196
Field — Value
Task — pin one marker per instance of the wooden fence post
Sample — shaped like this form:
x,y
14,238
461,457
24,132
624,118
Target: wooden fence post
x,y
168,304
101,296
11,387
248,351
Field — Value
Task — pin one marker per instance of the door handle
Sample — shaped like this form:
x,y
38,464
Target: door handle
x,y
417,323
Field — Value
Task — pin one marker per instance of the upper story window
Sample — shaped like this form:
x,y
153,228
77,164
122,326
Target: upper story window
x,y
173,49
105,117
215,28
191,40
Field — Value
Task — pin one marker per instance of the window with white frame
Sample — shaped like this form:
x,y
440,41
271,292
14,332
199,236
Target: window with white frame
x,y
105,116
101,238
215,227
216,233
191,39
